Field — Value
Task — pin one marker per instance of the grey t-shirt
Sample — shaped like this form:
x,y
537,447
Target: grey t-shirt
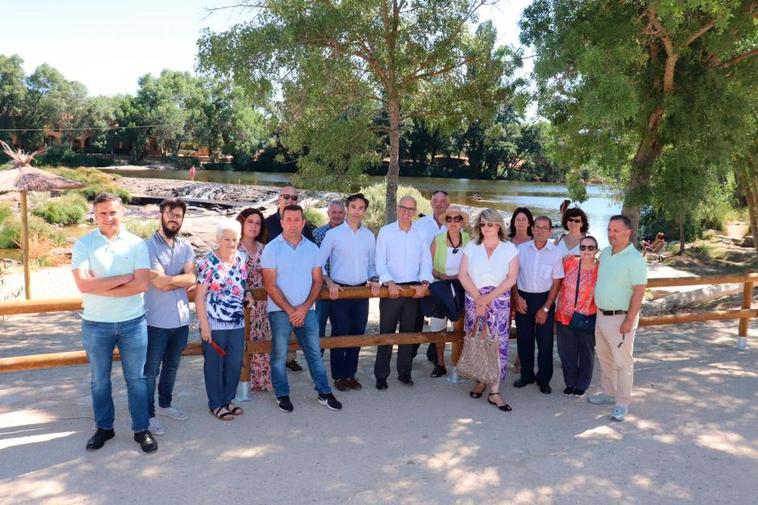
x,y
168,309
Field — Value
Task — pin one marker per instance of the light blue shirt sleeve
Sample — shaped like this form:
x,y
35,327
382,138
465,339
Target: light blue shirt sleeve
x,y
154,263
372,258
325,251
381,258
189,255
558,272
141,256
316,257
268,257
425,274
79,256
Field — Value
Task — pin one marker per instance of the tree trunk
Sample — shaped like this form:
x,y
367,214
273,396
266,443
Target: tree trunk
x,y
681,236
747,178
393,173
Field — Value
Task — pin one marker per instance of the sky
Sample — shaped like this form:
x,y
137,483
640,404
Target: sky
x,y
107,45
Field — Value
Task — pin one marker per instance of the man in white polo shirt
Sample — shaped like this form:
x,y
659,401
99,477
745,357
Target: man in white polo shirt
x,y
111,268
539,278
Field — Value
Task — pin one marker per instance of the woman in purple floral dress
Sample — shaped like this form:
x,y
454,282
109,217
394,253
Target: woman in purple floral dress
x,y
252,240
489,270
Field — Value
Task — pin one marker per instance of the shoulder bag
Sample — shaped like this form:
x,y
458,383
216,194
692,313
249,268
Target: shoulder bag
x,y
479,358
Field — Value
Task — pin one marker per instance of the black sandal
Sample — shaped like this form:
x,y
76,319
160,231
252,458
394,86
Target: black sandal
x,y
234,410
504,408
222,413
439,371
475,394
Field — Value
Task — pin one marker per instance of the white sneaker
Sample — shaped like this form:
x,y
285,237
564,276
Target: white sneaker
x,y
155,427
173,413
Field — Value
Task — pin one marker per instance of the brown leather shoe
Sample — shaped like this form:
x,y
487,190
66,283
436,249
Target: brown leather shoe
x,y
342,384
354,384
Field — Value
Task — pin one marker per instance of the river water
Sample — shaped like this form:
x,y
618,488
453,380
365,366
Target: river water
x,y
540,197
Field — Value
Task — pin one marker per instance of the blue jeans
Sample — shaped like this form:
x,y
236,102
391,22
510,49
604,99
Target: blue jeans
x,y
307,337
99,340
222,375
164,351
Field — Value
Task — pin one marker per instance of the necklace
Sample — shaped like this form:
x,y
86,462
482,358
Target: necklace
x,y
455,247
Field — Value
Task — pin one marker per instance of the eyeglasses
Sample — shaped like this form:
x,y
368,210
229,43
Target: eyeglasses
x,y
290,197
407,209
587,247
574,220
487,224
454,219
174,215
542,228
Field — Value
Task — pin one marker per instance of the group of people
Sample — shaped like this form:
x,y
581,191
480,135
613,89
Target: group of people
x,y
488,276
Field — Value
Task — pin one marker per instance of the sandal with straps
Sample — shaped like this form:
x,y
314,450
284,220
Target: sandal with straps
x,y
477,394
222,413
235,410
505,407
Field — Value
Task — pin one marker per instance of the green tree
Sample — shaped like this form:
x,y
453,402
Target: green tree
x,y
337,63
636,86
12,94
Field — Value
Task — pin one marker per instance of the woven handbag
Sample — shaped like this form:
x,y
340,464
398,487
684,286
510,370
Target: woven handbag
x,y
479,361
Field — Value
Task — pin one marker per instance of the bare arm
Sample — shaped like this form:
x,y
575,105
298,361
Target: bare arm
x,y
635,304
98,285
317,282
202,313
169,282
541,316
139,284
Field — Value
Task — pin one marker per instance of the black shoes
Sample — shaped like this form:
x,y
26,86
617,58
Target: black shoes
x,y
381,384
569,391
406,380
285,405
439,371
146,441
329,401
578,392
98,440
520,383
545,389
504,407
294,366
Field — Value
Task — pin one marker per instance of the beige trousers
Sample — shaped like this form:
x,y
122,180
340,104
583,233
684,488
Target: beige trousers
x,y
614,354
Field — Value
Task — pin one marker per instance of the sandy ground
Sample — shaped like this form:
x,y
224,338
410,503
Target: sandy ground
x,y
691,436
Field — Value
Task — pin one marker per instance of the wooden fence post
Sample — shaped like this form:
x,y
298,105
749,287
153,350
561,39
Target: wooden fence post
x,y
747,303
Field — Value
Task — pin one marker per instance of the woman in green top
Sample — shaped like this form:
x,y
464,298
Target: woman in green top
x,y
447,252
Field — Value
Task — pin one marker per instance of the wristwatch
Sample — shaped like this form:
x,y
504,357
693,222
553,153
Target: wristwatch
x,y
546,309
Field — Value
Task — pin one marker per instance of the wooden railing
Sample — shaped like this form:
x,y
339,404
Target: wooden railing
x,y
51,360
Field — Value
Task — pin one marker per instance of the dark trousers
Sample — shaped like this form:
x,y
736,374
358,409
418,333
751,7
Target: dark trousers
x,y
527,332
406,313
348,317
222,374
577,352
164,352
322,312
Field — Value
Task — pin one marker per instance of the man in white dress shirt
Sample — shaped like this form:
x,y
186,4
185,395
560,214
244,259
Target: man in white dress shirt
x,y
539,278
403,257
349,249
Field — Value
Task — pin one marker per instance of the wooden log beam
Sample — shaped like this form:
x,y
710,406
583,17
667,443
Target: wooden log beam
x,y
693,317
666,282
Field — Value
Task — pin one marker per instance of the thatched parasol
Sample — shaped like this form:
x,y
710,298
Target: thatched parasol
x,y
24,178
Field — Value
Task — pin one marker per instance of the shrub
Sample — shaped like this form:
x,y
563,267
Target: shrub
x,y
69,209
376,194
63,155
143,229
314,217
92,190
10,232
97,182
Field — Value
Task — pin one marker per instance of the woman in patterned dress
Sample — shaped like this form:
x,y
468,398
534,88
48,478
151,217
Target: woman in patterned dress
x,y
489,270
252,242
219,302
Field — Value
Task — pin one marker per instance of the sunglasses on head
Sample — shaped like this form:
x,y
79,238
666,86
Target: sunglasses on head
x,y
487,224
574,220
587,247
454,219
290,197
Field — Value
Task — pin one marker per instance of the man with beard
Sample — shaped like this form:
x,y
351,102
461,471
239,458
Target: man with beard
x,y
172,271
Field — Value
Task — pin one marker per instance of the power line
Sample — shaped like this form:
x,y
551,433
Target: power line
x,y
91,128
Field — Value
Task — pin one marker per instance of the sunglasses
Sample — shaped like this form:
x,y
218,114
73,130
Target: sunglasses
x,y
587,247
290,197
486,224
454,219
574,220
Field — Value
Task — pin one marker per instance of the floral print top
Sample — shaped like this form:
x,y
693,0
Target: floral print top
x,y
226,285
585,304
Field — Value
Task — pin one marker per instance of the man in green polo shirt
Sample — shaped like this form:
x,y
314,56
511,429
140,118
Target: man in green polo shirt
x,y
620,286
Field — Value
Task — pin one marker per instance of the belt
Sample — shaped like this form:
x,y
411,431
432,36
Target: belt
x,y
349,285
612,312
407,283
